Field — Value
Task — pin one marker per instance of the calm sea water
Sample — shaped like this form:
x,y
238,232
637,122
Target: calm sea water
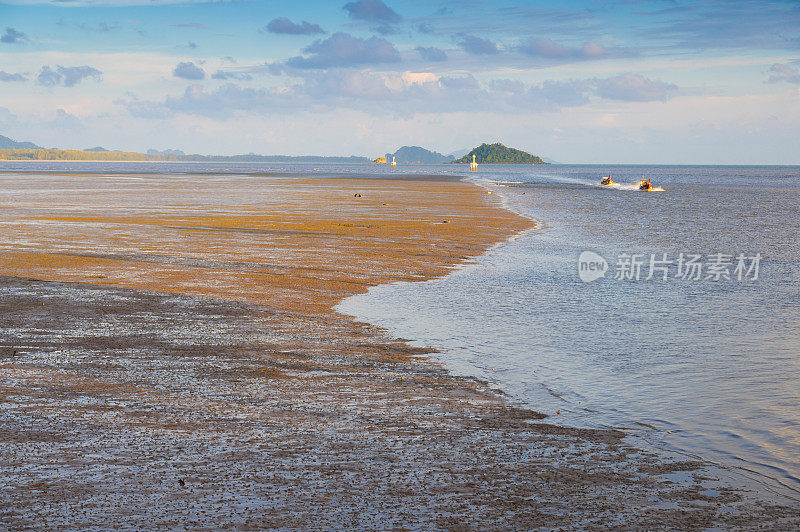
x,y
710,368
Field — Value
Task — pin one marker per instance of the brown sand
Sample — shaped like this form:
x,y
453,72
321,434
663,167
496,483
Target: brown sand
x,y
183,331
296,245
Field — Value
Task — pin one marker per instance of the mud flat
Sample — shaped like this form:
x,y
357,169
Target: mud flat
x,y
169,357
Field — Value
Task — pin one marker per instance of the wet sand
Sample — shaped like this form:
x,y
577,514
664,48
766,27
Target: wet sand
x,y
169,357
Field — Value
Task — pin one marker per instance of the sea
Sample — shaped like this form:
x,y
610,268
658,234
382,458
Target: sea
x,y
682,327
671,314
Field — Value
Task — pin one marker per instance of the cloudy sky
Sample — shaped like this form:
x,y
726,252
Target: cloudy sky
x,y
711,82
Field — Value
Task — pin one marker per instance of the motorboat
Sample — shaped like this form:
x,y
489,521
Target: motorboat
x,y
645,184
607,181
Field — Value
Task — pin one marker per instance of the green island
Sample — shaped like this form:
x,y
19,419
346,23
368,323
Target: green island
x,y
499,154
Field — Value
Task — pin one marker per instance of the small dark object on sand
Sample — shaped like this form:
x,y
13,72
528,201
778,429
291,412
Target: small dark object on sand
x,y
181,482
445,221
356,195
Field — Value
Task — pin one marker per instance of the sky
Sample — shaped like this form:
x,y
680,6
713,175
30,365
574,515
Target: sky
x,y
583,81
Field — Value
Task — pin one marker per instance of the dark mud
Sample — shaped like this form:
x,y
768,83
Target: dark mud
x,y
135,410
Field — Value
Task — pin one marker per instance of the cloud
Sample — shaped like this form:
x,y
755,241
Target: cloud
x,y
49,77
467,82
546,95
476,45
548,49
385,29
220,104
229,74
8,77
404,94
192,25
431,53
188,70
372,11
779,72
634,88
74,75
65,120
7,118
285,26
12,36
717,24
102,27
351,84
319,89
66,76
562,93
592,49
344,50
543,48
551,94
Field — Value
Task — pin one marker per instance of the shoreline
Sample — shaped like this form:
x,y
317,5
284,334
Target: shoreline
x,y
773,488
194,341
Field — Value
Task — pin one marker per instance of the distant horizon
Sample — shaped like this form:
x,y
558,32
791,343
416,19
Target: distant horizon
x,y
340,156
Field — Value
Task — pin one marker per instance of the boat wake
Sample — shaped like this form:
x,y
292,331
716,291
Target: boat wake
x,y
634,186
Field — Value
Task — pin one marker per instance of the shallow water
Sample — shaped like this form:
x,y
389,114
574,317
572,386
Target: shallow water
x,y
709,367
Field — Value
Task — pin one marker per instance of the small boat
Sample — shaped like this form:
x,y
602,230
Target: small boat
x,y
645,184
607,181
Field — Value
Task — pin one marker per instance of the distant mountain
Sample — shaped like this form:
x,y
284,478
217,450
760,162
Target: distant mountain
x,y
458,154
548,160
253,158
415,154
499,154
165,152
8,144
96,148
100,154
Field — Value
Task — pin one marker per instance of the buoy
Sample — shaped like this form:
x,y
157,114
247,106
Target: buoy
x,y
473,166
394,163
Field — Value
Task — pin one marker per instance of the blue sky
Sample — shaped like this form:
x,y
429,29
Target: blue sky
x,y
715,82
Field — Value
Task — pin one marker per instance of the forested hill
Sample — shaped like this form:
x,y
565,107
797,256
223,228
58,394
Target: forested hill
x,y
415,154
499,154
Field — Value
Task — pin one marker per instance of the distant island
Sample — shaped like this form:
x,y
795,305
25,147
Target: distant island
x,y
8,144
499,154
42,154
416,154
12,150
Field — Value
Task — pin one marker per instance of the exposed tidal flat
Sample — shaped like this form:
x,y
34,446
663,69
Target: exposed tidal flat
x,y
170,357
